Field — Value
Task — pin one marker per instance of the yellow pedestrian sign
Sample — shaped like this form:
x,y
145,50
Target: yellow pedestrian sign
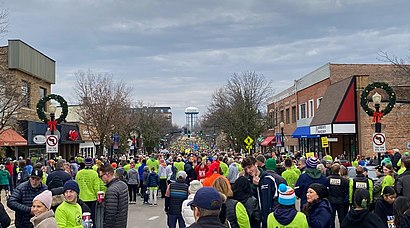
x,y
325,142
248,140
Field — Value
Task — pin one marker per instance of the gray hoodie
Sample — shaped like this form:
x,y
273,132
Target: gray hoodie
x,y
233,173
133,177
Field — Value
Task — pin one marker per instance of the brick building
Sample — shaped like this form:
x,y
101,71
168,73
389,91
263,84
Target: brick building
x,y
327,103
35,72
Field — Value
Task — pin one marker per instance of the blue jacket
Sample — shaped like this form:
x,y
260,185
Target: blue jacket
x,y
21,201
153,179
141,171
320,214
305,180
266,193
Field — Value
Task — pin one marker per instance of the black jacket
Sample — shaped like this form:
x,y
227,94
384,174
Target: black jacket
x,y
208,221
116,204
338,189
362,219
402,184
21,201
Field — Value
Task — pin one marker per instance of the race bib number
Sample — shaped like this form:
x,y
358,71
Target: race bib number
x,y
361,185
335,181
390,222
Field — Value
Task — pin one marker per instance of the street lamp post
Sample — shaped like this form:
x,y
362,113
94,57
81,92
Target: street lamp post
x,y
377,98
134,141
282,125
52,110
52,123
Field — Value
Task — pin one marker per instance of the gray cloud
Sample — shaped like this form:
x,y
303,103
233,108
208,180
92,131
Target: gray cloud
x,y
176,53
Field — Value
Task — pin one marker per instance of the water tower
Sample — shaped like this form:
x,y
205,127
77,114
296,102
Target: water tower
x,y
191,116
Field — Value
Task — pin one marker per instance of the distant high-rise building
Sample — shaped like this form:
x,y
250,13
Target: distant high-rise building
x,y
191,116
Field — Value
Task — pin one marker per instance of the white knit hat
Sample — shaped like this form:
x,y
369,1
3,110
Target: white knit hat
x,y
45,197
194,186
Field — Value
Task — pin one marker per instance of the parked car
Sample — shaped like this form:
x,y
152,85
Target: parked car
x,y
371,172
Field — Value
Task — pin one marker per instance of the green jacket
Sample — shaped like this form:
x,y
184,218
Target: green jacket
x,y
89,184
4,177
242,216
224,167
69,215
152,162
387,181
180,165
299,221
291,177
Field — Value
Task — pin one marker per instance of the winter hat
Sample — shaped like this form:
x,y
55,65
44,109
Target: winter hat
x,y
406,153
320,190
181,175
210,159
1,167
88,162
45,197
261,158
312,162
286,195
194,186
270,164
71,185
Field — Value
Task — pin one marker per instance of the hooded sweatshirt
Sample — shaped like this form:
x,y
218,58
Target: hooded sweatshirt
x,y
362,219
287,216
305,180
385,211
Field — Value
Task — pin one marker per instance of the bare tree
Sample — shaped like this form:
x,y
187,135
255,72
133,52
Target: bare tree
x,y
11,100
152,125
400,63
237,107
104,105
4,22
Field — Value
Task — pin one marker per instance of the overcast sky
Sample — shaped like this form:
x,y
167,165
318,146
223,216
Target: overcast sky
x,y
176,53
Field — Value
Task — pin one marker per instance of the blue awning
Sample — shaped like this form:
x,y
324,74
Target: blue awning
x,y
303,132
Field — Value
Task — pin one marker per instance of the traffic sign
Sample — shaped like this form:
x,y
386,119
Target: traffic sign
x,y
249,147
52,144
379,142
325,142
248,140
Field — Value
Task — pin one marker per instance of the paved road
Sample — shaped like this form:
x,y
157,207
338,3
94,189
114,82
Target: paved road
x,y
144,216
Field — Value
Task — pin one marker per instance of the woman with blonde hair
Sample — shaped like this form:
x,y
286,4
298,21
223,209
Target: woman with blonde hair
x,y
235,211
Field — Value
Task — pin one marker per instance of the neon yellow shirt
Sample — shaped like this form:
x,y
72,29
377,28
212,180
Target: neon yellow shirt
x,y
89,184
69,215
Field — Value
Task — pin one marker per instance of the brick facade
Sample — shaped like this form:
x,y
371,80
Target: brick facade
x,y
395,125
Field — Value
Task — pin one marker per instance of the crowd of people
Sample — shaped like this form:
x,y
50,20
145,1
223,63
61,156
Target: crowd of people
x,y
208,189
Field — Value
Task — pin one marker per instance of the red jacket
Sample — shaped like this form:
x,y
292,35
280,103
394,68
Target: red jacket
x,y
201,172
9,168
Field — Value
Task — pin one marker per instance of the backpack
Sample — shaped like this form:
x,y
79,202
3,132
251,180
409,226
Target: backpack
x,y
56,182
22,176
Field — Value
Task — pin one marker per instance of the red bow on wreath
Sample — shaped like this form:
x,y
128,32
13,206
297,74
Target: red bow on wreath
x,y
377,116
52,125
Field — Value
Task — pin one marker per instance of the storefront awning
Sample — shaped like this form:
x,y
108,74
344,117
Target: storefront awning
x,y
337,111
268,141
9,137
303,132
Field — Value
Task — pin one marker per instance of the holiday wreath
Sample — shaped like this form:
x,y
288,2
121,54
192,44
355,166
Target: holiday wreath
x,y
364,102
43,117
